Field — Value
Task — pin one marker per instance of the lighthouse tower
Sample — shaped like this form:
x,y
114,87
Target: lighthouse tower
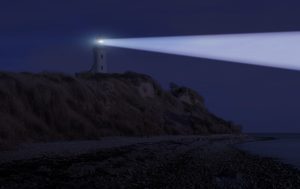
x,y
99,65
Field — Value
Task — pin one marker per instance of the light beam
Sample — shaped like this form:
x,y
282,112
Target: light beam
x,y
280,50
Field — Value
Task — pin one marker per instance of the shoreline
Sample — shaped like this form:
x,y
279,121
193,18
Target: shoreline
x,y
281,149
29,151
205,162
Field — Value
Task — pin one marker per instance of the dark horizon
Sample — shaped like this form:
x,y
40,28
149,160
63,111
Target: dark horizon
x,y
58,36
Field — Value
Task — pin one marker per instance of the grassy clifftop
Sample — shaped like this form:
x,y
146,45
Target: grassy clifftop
x,y
52,106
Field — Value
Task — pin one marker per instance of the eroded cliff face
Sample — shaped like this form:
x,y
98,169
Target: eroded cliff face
x,y
51,106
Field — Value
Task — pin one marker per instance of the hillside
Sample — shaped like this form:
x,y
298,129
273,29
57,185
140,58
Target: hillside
x,y
52,106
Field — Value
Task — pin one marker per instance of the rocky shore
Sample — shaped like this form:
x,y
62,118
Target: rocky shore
x,y
190,162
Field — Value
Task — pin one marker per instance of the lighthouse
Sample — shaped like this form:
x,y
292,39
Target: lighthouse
x,y
99,65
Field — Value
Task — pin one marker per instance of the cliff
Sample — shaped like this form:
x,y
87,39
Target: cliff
x,y
52,106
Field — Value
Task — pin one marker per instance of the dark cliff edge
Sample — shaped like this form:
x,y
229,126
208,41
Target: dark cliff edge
x,y
52,106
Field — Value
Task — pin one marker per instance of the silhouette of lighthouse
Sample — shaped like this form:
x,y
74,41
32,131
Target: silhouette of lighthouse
x,y
99,65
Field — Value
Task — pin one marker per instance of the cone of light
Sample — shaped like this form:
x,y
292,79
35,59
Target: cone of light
x,y
280,50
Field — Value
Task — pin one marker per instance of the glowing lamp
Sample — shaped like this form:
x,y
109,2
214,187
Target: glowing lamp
x,y
101,41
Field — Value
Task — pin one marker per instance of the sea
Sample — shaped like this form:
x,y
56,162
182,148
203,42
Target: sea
x,y
284,147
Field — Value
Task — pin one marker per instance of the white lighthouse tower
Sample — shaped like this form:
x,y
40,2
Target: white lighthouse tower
x,y
99,65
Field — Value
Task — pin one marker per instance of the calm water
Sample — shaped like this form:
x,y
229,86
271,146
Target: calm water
x,y
286,148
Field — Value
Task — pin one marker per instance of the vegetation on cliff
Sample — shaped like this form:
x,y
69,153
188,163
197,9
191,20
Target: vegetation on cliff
x,y
53,106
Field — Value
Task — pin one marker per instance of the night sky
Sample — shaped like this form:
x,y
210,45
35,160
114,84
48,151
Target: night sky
x,y
57,35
